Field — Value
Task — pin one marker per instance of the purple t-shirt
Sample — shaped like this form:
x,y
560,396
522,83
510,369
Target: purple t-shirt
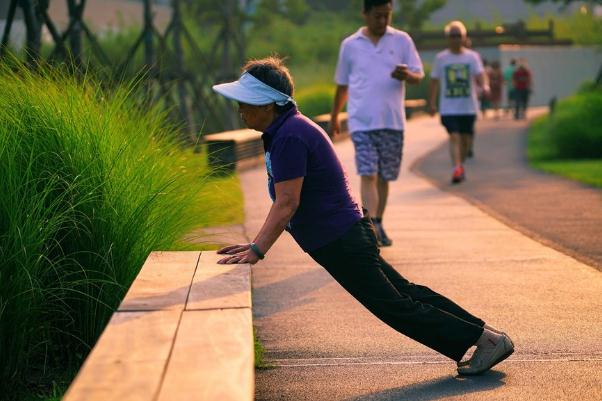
x,y
296,147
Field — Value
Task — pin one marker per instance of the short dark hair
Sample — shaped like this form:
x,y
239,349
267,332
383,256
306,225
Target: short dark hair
x,y
369,4
272,71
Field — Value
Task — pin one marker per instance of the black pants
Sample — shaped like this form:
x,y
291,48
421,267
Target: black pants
x,y
416,311
522,100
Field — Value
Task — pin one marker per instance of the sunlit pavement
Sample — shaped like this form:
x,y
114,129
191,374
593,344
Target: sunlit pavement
x,y
323,345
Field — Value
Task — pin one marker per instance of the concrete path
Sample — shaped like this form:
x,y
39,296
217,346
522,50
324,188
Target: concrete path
x,y
561,213
326,346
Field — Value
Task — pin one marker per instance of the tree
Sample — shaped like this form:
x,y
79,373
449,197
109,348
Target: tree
x,y
414,13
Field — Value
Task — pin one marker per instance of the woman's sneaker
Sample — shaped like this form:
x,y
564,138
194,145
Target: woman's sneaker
x,y
486,357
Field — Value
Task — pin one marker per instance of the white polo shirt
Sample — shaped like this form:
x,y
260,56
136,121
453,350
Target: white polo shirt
x,y
456,74
375,98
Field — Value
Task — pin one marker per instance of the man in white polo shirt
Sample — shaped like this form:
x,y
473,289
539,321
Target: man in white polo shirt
x,y
374,64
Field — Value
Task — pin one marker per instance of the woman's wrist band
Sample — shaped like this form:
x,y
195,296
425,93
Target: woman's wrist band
x,y
256,250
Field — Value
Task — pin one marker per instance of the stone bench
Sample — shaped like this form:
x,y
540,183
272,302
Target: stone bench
x,y
183,332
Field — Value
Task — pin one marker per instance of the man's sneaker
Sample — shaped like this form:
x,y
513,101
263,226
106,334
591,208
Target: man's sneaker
x,y
381,236
458,175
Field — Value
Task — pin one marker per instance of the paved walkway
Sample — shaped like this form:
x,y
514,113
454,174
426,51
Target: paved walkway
x,y
559,212
325,346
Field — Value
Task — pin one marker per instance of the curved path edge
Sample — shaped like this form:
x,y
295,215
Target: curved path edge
x,y
562,227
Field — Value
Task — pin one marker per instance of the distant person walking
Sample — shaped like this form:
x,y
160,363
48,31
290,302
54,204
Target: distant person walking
x,y
522,80
496,83
312,200
509,82
374,64
457,72
484,97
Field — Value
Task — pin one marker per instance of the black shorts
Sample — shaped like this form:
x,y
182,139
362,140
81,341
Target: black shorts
x,y
460,124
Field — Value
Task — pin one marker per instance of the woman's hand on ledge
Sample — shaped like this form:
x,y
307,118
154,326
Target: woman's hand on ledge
x,y
238,254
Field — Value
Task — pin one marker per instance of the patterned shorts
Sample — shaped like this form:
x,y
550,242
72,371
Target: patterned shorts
x,y
378,152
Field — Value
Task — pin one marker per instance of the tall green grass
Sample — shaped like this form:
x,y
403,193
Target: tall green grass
x,y
91,183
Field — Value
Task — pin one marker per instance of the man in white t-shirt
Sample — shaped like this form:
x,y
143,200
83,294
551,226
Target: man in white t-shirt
x,y
457,71
374,64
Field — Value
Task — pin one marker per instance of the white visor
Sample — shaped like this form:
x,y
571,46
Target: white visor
x,y
250,90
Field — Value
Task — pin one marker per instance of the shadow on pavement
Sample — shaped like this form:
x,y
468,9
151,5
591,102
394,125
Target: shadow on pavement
x,y
288,293
435,389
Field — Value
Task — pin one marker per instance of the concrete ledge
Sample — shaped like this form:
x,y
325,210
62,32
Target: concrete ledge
x,y
183,332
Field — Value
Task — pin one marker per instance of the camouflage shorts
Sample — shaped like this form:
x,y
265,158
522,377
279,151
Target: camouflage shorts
x,y
378,152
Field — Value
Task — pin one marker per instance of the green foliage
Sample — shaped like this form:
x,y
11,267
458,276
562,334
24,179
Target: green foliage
x,y
296,11
414,14
560,1
316,99
316,41
583,29
570,130
568,142
91,183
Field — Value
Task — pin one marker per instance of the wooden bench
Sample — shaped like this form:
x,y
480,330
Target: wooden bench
x,y
323,120
183,332
240,149
414,105
231,150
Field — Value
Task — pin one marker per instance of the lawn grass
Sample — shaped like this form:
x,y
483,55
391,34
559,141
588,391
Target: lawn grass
x,y
586,171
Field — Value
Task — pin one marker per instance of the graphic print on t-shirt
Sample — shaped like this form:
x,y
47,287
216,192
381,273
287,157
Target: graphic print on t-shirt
x,y
271,189
268,167
457,80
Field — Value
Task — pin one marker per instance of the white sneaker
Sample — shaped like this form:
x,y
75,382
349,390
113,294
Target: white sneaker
x,y
485,358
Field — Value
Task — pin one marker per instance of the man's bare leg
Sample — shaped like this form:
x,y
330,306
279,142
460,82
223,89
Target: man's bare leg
x,y
369,191
455,149
466,142
458,150
383,195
